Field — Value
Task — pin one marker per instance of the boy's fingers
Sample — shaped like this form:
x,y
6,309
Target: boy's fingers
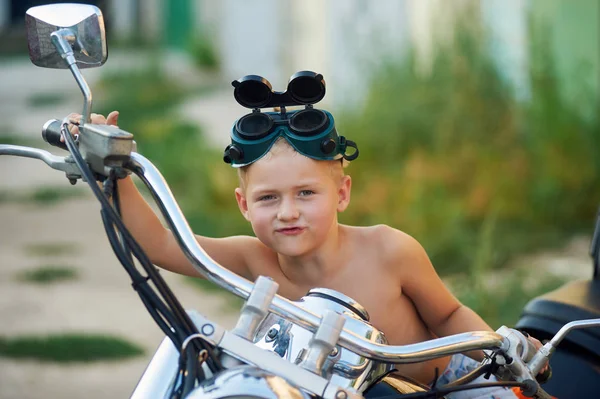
x,y
112,118
74,118
98,119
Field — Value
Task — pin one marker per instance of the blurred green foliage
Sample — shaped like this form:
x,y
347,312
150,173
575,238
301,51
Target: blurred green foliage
x,y
498,296
442,150
445,154
203,52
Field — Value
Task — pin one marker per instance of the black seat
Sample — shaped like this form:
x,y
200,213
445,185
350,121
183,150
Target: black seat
x,y
578,300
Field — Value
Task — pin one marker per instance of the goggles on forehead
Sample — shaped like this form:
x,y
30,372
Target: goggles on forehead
x,y
309,131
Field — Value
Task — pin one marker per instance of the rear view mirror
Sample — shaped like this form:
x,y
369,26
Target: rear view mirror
x,y
85,34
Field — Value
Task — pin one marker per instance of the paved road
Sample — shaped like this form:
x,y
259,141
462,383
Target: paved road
x,y
101,300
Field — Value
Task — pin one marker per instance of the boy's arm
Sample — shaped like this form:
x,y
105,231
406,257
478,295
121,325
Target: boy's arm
x,y
440,310
160,244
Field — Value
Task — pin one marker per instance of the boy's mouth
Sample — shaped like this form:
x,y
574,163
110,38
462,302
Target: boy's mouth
x,y
291,231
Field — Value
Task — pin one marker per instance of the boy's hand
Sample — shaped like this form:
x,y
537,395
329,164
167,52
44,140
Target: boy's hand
x,y
538,345
98,119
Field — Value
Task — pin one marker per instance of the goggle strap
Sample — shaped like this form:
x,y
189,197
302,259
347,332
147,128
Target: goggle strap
x,y
344,144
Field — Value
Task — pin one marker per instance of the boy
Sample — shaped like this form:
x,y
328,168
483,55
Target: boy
x,y
292,200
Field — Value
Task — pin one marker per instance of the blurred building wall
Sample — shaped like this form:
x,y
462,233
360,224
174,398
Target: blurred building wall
x,y
362,36
251,38
430,22
122,14
136,19
346,39
507,22
342,39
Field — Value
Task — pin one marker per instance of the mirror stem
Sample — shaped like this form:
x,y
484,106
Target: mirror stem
x,y
85,90
62,40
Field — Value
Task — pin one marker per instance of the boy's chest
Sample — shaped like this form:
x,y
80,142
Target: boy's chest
x,y
375,290
367,287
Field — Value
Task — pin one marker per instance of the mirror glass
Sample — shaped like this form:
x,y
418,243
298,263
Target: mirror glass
x,y
88,39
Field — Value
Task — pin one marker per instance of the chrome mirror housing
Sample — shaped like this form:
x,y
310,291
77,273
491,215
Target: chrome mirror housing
x,y
80,25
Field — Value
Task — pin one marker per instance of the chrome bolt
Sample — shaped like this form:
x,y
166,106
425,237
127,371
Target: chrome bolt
x,y
207,329
272,334
341,395
334,352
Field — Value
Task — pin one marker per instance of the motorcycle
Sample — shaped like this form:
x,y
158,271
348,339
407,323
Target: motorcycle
x,y
320,346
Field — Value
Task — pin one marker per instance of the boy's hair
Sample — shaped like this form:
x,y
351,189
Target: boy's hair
x,y
282,145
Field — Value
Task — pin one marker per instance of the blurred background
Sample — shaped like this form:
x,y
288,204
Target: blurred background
x,y
477,123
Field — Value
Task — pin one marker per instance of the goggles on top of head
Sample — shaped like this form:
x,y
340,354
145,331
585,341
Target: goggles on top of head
x,y
309,131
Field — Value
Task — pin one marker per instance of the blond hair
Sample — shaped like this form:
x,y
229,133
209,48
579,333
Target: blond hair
x,y
282,145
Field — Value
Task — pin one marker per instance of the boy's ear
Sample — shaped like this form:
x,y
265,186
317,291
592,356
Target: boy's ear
x,y
242,203
344,193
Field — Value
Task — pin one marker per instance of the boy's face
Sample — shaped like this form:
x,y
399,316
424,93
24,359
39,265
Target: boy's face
x,y
292,201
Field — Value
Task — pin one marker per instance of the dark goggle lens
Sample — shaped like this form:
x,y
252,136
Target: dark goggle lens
x,y
308,122
254,93
306,89
254,126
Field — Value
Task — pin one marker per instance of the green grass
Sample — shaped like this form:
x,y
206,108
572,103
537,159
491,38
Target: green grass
x,y
441,149
40,100
502,303
68,348
44,196
233,302
50,249
498,302
47,275
53,195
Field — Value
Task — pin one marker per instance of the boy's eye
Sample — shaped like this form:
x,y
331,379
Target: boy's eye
x,y
304,193
266,197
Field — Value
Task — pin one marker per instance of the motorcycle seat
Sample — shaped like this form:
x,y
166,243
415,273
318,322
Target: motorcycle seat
x,y
577,300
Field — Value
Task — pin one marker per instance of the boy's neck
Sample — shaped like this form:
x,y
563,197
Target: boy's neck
x,y
314,269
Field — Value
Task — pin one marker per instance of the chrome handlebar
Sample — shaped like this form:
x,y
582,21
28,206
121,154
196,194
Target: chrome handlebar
x,y
283,307
63,164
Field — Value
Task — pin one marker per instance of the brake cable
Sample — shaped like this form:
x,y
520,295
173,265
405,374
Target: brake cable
x,y
171,313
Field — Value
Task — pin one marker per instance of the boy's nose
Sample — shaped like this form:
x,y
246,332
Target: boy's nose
x,y
288,211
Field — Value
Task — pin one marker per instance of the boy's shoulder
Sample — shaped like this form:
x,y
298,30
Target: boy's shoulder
x,y
392,246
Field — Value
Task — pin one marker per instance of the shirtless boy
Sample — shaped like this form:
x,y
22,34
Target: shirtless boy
x,y
292,196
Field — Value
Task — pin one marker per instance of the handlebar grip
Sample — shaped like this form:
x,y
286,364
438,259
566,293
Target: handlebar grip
x,y
545,376
531,389
51,133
